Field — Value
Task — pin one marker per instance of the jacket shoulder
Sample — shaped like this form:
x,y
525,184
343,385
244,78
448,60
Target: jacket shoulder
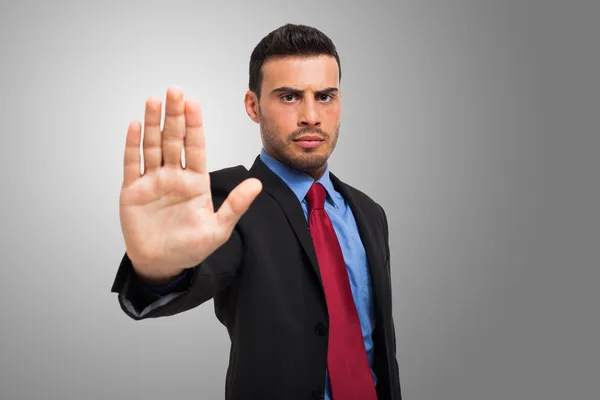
x,y
226,179
364,199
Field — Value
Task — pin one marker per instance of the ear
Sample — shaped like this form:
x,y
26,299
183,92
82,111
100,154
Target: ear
x,y
251,103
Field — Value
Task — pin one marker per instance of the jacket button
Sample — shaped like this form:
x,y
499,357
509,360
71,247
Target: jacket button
x,y
318,394
321,329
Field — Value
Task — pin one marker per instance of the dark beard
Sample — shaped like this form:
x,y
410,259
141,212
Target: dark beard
x,y
308,162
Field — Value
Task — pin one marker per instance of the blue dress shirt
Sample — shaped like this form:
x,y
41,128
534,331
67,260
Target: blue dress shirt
x,y
346,230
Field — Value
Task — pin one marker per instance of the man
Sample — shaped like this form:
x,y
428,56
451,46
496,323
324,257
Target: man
x,y
296,261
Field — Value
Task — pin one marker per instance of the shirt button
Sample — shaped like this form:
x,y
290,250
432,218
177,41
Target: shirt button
x,y
321,329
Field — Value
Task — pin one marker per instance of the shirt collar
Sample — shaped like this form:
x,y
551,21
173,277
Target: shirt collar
x,y
299,182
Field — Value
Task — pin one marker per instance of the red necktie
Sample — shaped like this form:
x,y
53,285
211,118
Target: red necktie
x,y
347,362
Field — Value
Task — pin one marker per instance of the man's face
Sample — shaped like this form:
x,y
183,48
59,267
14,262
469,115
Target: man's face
x,y
299,110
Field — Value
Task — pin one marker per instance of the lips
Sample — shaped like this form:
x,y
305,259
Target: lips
x,y
309,142
309,138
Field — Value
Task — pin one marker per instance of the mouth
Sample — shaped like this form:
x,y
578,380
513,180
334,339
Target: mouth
x,y
309,141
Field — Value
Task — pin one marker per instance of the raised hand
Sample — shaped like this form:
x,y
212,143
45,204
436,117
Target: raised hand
x,y
167,215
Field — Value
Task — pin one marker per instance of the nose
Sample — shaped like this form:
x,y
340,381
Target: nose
x,y
309,116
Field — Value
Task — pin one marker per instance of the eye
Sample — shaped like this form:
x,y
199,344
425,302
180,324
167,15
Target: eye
x,y
287,98
325,97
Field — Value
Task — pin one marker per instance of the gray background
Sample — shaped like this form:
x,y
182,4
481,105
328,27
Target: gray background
x,y
474,123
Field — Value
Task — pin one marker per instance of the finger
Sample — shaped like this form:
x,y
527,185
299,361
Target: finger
x,y
152,143
174,128
195,143
237,203
131,162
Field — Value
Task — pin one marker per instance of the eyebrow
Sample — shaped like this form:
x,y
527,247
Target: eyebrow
x,y
287,89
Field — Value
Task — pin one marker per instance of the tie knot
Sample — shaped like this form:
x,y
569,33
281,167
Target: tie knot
x,y
315,198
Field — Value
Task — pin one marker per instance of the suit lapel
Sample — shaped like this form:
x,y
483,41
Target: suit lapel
x,y
366,228
288,201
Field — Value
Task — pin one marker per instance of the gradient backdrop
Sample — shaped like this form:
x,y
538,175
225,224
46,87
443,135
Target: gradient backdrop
x,y
474,123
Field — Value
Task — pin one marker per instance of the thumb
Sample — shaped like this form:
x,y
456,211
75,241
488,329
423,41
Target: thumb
x,y
237,203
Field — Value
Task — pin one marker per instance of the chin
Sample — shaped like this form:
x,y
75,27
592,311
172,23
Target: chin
x,y
308,160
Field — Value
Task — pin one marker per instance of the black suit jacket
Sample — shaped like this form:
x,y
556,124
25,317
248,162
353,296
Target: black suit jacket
x,y
267,292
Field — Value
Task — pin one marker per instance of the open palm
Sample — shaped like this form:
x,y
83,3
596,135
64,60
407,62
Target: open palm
x,y
167,214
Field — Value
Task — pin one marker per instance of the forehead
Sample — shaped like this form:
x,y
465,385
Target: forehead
x,y
305,73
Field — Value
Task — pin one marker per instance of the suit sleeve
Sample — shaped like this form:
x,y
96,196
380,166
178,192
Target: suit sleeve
x,y
195,285
191,289
140,294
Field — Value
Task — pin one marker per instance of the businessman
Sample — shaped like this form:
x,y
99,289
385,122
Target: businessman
x,y
296,261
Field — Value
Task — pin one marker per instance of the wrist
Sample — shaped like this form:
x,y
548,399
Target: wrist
x,y
157,278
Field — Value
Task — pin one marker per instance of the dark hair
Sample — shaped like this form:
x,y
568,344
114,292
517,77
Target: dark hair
x,y
289,40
